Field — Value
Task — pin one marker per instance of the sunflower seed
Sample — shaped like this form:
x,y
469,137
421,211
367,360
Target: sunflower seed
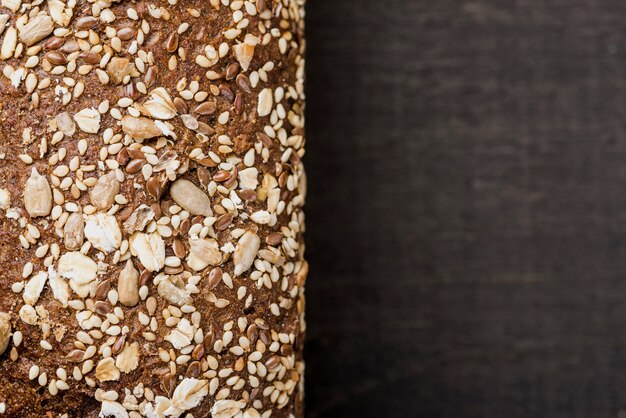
x,y
37,195
128,285
140,128
246,251
5,331
36,29
73,231
119,68
65,123
191,198
102,195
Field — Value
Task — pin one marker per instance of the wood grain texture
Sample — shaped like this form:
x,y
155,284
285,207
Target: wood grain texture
x,y
467,211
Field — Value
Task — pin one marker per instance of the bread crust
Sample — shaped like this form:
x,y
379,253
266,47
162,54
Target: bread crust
x,y
151,193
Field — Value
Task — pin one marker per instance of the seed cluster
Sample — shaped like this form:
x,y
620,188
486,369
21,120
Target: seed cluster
x,y
151,197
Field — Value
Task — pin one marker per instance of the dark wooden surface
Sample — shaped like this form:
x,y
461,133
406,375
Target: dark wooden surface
x,y
467,210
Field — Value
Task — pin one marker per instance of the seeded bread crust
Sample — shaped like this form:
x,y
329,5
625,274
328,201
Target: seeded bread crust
x,y
151,188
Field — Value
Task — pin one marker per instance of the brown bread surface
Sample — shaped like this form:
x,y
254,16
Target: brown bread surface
x,y
151,193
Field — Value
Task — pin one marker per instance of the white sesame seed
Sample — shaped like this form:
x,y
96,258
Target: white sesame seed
x,y
33,372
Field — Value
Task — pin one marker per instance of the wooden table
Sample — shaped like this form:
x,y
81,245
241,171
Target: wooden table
x,y
467,208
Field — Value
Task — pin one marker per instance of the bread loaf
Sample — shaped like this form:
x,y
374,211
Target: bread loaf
x,y
151,189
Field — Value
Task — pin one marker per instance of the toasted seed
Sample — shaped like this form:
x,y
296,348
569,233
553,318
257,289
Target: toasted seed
x,y
154,187
86,22
238,103
252,333
118,68
232,70
272,362
205,129
5,331
203,253
73,231
54,42
88,120
168,383
70,47
134,166
140,128
36,29
227,93
179,248
128,285
102,195
274,238
191,198
56,58
118,345
173,294
75,356
246,251
8,43
134,154
215,276
193,370
145,277
248,195
4,18
204,176
103,290
181,106
243,82
221,175
150,249
37,195
266,102
102,307
206,108
171,44
65,123
224,221
151,76
90,57
267,141
122,157
198,352
126,34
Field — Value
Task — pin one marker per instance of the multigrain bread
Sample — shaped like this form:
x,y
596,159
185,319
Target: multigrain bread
x,y
151,188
